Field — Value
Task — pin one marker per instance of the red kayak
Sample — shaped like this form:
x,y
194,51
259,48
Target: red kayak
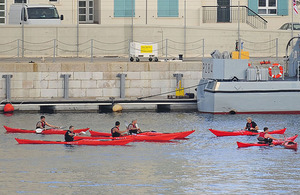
x,y
46,132
180,135
290,145
275,142
149,138
79,142
242,132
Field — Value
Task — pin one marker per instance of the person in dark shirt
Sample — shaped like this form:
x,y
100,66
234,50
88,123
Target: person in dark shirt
x,y
115,131
251,125
69,135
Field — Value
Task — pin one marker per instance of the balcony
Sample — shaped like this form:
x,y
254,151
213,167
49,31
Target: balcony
x,y
230,14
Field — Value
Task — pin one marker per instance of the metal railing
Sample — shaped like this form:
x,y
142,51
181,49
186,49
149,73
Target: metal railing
x,y
166,49
223,14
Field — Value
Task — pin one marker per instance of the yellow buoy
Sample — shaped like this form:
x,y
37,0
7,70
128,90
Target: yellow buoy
x,y
117,108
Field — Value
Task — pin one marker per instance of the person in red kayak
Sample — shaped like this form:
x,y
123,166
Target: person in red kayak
x,y
41,125
133,128
251,125
266,137
69,135
115,131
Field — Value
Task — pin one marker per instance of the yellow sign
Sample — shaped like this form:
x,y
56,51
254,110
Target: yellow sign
x,y
146,48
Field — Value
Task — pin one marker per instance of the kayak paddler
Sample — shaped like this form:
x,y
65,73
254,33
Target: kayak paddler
x,y
69,135
115,131
266,137
41,125
133,127
251,125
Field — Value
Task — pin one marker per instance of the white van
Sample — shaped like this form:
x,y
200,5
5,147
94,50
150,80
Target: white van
x,y
34,14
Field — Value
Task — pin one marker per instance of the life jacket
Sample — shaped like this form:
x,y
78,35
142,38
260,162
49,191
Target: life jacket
x,y
68,137
261,136
250,125
115,134
43,124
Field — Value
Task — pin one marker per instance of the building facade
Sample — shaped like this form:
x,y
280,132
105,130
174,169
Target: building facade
x,y
162,12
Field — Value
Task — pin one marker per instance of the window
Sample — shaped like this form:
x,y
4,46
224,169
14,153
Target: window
x,y
2,11
20,1
167,8
267,7
86,11
124,8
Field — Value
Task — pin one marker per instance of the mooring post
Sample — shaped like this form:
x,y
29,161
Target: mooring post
x,y
122,84
66,84
7,82
179,88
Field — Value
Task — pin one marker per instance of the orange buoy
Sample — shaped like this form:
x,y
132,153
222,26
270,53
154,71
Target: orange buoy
x,y
8,108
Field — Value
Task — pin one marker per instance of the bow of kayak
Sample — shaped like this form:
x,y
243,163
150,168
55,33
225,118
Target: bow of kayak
x,y
290,145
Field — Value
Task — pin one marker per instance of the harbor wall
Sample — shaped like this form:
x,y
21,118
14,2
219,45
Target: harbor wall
x,y
43,81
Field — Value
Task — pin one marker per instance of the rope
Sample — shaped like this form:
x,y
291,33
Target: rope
x,y
8,42
37,43
170,91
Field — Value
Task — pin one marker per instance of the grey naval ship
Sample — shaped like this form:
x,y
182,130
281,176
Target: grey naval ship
x,y
234,86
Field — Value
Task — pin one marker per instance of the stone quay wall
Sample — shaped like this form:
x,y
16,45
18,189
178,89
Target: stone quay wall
x,y
95,81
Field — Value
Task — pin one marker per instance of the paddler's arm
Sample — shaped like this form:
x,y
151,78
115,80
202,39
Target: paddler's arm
x,y
50,125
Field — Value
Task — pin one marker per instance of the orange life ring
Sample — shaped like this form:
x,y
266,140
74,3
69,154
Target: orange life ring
x,y
277,75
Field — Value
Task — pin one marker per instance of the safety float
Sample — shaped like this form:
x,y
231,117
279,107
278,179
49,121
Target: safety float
x,y
280,71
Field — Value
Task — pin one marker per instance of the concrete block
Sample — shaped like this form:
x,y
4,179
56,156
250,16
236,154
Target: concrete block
x,y
155,91
111,75
49,93
154,75
83,75
133,92
76,93
40,84
133,75
55,84
27,84
49,67
138,67
15,84
97,67
111,92
108,84
146,75
19,93
160,83
49,76
97,75
24,67
34,93
7,67
94,92
139,84
73,84
72,67
89,84
159,66
118,67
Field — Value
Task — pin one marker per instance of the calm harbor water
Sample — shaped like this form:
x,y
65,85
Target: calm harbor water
x,y
202,164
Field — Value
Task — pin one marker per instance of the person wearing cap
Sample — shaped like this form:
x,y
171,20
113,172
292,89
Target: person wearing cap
x,y
266,137
133,128
115,131
251,125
